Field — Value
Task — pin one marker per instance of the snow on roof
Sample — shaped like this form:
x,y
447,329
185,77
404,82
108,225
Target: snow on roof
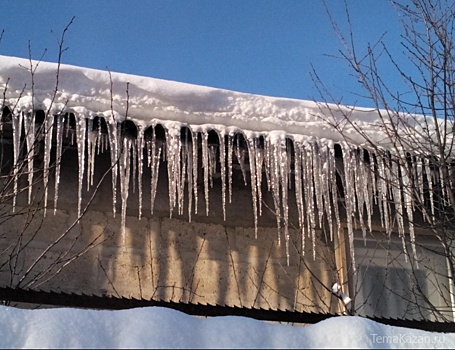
x,y
146,99
89,93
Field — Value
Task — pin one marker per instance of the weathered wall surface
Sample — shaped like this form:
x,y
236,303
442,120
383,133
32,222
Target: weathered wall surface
x,y
207,260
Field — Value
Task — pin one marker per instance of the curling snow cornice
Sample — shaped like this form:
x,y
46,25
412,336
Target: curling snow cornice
x,y
145,100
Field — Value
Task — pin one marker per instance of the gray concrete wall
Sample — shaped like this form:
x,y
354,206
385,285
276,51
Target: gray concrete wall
x,y
208,260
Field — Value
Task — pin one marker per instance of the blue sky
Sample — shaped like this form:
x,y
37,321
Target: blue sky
x,y
263,47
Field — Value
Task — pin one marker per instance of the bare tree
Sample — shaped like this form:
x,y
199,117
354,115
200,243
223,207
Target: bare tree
x,y
412,167
32,142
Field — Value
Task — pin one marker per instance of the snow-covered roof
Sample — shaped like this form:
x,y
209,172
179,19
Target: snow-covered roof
x,y
144,99
147,102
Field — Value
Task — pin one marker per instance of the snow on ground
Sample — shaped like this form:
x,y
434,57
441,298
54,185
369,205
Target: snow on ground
x,y
158,327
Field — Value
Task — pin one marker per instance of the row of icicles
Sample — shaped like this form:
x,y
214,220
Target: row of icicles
x,y
306,168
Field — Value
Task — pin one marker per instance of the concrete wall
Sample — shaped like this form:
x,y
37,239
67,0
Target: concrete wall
x,y
206,261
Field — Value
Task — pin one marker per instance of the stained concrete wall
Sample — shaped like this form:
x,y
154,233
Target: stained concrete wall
x,y
207,260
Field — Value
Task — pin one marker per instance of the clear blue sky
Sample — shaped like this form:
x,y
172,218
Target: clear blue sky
x,y
256,46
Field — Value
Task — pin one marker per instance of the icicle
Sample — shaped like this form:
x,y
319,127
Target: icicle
x,y
67,126
408,203
222,160
156,173
308,181
183,175
395,182
259,165
373,169
17,131
288,163
240,154
173,146
58,157
317,176
252,160
299,191
334,187
383,204
429,175
275,184
81,140
360,189
140,163
368,188
195,168
205,166
212,163
420,165
154,151
99,140
134,165
443,196
113,144
29,126
419,182
48,131
397,198
92,136
349,200
125,172
267,164
283,154
189,160
229,155
326,179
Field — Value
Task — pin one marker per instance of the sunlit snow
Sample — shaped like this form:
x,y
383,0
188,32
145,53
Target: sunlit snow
x,y
157,327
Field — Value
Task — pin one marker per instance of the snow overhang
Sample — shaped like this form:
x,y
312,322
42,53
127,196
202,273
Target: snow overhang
x,y
147,100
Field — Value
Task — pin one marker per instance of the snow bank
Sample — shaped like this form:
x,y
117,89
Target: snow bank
x,y
156,327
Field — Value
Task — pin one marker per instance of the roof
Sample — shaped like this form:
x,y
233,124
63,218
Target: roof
x,y
147,100
266,123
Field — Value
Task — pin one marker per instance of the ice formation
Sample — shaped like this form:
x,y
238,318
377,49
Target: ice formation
x,y
284,145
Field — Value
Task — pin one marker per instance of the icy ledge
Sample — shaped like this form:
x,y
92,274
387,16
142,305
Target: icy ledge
x,y
288,144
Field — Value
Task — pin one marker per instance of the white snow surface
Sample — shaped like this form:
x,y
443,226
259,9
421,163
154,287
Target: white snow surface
x,y
159,327
89,91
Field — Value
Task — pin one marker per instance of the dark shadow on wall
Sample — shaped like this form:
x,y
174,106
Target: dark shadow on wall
x,y
205,261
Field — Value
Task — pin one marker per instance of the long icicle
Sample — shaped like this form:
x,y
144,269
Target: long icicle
x,y
194,141
140,163
283,173
58,157
299,191
252,161
205,166
48,132
17,131
229,157
349,192
222,160
81,141
29,126
114,151
125,172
